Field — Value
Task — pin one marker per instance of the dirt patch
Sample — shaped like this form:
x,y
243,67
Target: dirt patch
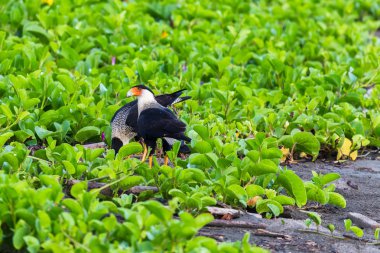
x,y
359,184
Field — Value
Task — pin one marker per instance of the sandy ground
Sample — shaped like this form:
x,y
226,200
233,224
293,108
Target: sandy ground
x,y
359,184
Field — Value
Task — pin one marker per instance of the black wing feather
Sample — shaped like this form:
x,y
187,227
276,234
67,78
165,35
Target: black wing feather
x,y
158,123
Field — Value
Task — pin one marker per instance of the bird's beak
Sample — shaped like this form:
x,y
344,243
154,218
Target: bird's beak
x,y
134,92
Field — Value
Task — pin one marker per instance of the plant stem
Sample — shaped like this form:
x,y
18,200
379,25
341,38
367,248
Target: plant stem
x,y
75,242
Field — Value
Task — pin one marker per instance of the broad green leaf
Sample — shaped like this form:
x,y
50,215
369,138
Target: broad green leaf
x,y
129,149
315,217
307,142
202,147
238,192
87,133
262,206
158,210
131,181
254,190
5,137
32,243
78,189
42,133
357,231
70,168
328,178
263,167
202,131
22,229
336,199
294,186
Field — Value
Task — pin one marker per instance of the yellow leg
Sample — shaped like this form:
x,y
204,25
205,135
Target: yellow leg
x,y
150,161
166,160
143,158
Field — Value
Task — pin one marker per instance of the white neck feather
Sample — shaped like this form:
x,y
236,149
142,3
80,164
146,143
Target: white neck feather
x,y
146,100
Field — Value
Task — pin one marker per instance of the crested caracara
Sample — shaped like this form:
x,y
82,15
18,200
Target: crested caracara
x,y
124,122
155,121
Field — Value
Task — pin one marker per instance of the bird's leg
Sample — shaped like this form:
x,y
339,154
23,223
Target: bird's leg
x,y
143,158
166,159
150,161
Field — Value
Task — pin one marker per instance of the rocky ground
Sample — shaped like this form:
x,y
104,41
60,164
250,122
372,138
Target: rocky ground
x,y
359,184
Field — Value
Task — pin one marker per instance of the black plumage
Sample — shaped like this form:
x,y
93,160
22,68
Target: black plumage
x,y
124,122
155,121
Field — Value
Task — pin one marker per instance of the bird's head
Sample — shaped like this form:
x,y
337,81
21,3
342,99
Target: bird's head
x,y
140,90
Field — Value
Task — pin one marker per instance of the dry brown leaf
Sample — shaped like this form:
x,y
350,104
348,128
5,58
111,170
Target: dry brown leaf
x,y
252,201
227,216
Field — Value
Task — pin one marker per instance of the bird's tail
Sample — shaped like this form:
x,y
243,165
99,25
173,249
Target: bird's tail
x,y
177,97
180,99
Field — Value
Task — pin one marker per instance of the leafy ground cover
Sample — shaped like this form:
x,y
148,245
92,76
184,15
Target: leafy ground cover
x,y
271,81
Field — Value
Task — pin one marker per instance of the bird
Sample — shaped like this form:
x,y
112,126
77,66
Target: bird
x,y
124,122
155,121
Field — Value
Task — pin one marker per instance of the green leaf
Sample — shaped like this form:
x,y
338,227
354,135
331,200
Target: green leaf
x,y
318,195
203,219
35,29
129,149
347,224
274,209
337,200
87,133
22,229
178,193
70,168
202,147
262,206
377,233
131,181
32,243
72,205
254,190
331,227
238,192
328,178
307,142
315,217
42,133
294,186
263,167
202,131
78,189
284,200
158,210
5,137
357,231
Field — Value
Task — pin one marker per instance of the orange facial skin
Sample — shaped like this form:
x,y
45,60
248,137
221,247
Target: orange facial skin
x,y
135,91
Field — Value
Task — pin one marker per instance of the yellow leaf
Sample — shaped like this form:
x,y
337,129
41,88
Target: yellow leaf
x,y
346,147
354,155
164,34
285,153
339,155
49,2
303,155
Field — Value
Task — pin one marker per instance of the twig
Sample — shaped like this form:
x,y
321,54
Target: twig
x,y
107,191
219,238
95,145
224,211
76,243
320,233
263,232
38,159
236,224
